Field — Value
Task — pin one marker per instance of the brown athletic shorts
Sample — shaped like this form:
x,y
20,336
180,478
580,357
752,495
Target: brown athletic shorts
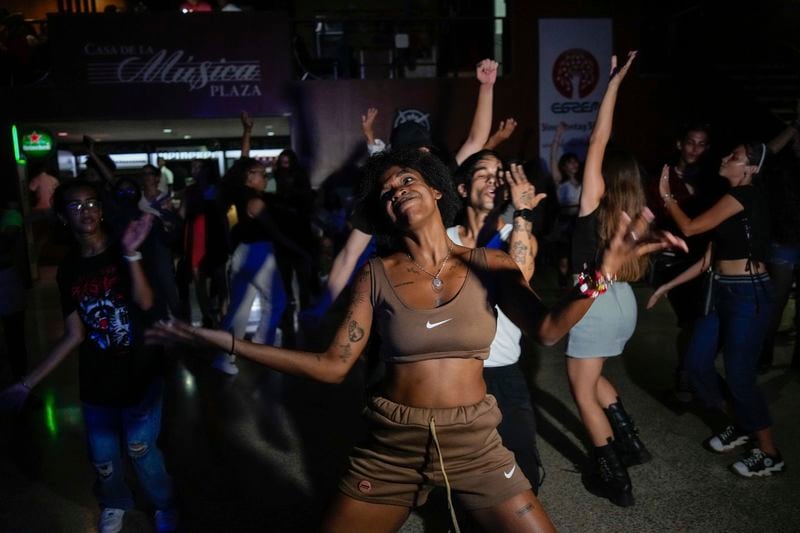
x,y
399,463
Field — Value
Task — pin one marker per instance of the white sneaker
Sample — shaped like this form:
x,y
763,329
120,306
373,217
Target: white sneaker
x,y
111,520
226,363
166,520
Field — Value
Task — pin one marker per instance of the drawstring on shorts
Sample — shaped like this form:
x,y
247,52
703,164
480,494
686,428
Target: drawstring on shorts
x,y
432,425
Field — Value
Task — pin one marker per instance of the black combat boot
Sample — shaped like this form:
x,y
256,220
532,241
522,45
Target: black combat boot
x,y
629,446
608,478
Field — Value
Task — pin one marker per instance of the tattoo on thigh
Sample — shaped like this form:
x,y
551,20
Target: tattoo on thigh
x,y
527,508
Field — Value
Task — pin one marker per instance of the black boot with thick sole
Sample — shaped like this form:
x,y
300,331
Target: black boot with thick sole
x,y
608,478
629,446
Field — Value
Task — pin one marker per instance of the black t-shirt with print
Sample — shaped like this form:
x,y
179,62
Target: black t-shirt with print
x,y
115,367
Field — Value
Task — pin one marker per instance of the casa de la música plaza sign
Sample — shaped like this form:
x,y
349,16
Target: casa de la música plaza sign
x,y
173,65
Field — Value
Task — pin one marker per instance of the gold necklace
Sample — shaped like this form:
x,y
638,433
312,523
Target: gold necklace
x,y
436,282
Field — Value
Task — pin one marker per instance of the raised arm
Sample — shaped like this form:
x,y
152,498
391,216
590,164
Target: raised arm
x,y
132,239
504,131
524,308
726,207
105,172
593,186
555,148
486,72
247,133
330,366
522,245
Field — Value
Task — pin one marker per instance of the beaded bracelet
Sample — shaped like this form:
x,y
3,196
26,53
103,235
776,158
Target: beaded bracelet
x,y
593,284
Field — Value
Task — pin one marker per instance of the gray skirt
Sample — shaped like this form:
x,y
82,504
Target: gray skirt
x,y
607,326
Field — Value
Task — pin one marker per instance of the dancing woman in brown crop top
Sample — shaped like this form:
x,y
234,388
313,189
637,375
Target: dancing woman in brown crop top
x,y
433,424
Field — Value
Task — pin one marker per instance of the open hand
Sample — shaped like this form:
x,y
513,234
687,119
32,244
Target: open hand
x,y
486,71
633,239
247,122
368,121
172,332
136,233
523,193
619,74
505,129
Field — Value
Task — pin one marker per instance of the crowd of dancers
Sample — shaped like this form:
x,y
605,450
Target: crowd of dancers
x,y
437,259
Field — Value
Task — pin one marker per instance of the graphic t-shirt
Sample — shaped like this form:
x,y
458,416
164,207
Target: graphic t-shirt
x,y
115,368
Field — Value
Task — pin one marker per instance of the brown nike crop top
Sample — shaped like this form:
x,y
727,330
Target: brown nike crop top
x,y
461,328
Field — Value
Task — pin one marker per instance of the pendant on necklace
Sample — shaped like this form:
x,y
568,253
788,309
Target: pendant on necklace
x,y
437,284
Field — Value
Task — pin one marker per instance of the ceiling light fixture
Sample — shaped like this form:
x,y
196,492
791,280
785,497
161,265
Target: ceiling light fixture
x,y
167,130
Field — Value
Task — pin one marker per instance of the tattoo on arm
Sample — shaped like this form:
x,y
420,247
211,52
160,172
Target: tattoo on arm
x,y
345,352
355,332
522,225
527,508
519,252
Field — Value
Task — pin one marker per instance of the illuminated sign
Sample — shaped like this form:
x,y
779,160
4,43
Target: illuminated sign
x,y
37,143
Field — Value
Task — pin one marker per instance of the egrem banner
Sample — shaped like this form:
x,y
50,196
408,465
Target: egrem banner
x,y
574,61
174,65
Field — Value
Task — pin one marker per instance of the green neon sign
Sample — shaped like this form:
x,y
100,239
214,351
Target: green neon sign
x,y
37,143
15,138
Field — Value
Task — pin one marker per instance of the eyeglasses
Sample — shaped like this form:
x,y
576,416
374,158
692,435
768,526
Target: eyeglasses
x,y
78,206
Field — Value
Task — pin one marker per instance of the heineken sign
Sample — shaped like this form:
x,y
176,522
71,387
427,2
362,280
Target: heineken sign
x,y
37,143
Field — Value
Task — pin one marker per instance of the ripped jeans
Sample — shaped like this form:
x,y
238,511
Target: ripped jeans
x,y
137,428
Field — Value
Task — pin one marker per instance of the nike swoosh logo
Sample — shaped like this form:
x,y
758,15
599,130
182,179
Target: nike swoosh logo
x,y
510,472
437,324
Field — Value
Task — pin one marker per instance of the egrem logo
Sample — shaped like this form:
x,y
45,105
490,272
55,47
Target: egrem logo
x,y
575,73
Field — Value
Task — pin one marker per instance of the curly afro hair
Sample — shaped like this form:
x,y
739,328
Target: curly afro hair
x,y
433,171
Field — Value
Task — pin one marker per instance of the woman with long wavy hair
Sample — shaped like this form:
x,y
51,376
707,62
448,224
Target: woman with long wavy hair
x,y
611,188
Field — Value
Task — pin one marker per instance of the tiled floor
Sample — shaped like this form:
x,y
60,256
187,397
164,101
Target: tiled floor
x,y
261,452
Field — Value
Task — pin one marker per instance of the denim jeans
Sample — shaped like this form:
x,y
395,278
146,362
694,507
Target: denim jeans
x,y
743,307
254,273
107,429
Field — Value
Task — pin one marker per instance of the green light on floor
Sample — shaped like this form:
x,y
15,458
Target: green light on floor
x,y
50,413
15,138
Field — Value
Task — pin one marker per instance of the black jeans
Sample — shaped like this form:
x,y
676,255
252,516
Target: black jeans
x,y
518,427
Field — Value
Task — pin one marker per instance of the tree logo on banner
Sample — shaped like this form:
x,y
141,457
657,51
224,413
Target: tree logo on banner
x,y
575,70
412,115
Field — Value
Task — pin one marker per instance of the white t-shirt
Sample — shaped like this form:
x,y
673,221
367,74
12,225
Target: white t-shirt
x,y
505,349
167,179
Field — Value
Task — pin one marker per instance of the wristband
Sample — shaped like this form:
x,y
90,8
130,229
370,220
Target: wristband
x,y
136,256
525,213
593,284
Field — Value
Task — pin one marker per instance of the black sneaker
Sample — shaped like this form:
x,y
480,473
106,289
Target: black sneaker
x,y
728,439
758,463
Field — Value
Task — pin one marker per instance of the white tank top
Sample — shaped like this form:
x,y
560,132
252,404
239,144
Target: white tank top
x,y
505,349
